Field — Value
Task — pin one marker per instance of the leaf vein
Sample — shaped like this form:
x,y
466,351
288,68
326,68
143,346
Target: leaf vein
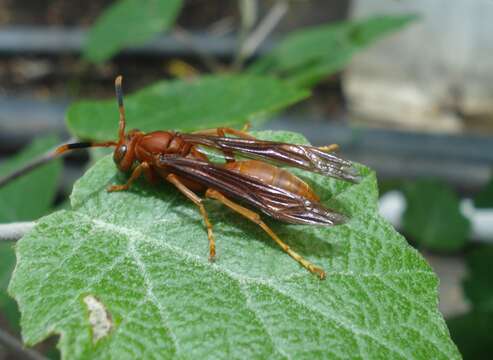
x,y
248,304
150,290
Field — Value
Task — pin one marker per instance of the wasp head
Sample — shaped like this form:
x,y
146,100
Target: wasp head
x,y
124,154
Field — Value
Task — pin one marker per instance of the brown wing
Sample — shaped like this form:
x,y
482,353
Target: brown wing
x,y
276,202
304,157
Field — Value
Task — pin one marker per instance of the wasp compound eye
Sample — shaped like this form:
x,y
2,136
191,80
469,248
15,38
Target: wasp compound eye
x,y
120,153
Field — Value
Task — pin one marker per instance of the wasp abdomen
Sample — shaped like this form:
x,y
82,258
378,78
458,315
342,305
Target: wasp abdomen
x,y
274,176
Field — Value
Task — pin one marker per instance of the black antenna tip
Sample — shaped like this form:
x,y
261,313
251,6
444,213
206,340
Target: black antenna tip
x,y
63,148
118,89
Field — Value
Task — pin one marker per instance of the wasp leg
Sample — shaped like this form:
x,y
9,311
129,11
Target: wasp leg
x,y
222,131
252,216
142,167
329,148
172,178
229,156
226,130
246,127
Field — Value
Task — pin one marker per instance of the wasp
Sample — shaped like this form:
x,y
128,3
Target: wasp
x,y
180,159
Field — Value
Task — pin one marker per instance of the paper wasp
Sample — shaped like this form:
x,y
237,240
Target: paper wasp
x,y
177,158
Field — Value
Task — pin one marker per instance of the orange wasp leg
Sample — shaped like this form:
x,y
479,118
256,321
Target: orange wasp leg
x,y
143,167
172,178
329,148
228,155
252,216
222,131
226,130
246,127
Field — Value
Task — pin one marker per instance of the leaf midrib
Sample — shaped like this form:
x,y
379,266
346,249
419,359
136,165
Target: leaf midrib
x,y
131,234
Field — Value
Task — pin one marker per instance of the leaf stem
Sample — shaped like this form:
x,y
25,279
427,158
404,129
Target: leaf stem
x,y
14,231
257,36
16,347
249,14
30,166
209,61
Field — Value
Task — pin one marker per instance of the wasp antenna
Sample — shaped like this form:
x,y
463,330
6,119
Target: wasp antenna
x,y
121,108
82,145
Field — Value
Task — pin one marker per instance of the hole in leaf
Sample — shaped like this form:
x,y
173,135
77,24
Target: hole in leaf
x,y
99,318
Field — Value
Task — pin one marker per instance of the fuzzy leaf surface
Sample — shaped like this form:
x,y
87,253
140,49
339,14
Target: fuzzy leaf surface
x,y
207,102
143,255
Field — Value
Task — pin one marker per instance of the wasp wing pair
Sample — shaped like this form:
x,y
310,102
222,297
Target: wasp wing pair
x,y
300,156
276,202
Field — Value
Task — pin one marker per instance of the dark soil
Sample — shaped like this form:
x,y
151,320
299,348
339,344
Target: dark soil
x,y
196,13
66,75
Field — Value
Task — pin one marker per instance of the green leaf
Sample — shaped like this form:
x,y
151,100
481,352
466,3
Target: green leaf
x,y
473,334
484,199
8,307
477,285
387,185
207,102
140,258
433,217
26,198
129,22
31,195
307,56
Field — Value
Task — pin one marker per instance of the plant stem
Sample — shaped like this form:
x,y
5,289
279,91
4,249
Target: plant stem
x,y
32,165
16,347
209,61
249,14
43,159
257,36
14,231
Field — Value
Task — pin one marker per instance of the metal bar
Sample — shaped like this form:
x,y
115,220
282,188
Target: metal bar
x,y
58,40
22,119
464,159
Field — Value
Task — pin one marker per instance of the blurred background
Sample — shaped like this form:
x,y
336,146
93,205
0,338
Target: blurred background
x,y
407,91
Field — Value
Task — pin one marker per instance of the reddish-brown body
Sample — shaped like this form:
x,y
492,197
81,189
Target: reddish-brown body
x,y
146,146
274,176
176,159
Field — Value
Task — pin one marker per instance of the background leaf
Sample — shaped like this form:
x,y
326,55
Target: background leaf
x,y
310,55
477,285
26,198
30,196
433,217
129,22
8,307
473,331
143,255
484,199
206,102
473,334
